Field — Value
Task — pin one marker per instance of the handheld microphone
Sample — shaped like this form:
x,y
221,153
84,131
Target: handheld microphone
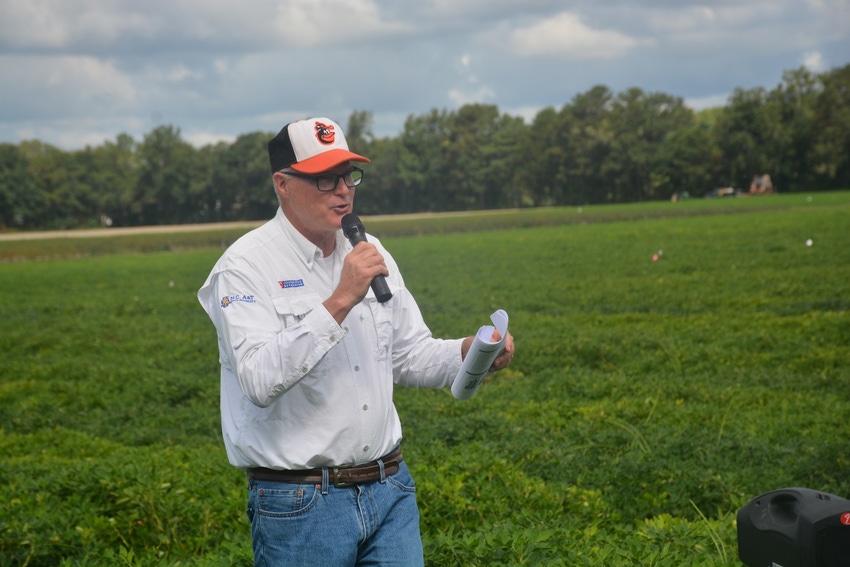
x,y
354,231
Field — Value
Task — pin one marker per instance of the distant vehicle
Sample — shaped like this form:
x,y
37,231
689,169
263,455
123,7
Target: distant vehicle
x,y
722,192
761,185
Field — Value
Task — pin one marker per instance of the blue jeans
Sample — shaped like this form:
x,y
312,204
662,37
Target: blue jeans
x,y
321,525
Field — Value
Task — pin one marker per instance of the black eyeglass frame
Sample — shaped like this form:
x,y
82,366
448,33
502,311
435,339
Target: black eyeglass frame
x,y
336,177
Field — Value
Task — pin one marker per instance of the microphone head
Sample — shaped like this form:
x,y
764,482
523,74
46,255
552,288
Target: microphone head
x,y
351,222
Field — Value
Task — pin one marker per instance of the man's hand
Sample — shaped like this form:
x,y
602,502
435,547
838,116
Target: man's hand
x,y
504,358
360,267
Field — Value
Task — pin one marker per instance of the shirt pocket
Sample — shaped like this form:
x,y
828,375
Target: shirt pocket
x,y
291,310
309,362
382,314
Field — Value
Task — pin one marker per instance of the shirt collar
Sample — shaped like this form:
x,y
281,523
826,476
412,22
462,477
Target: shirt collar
x,y
303,247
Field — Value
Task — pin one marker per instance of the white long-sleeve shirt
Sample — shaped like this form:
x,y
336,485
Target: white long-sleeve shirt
x,y
298,390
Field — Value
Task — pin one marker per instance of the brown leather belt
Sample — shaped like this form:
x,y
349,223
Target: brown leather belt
x,y
338,476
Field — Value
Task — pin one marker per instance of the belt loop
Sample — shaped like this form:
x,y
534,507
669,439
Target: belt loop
x,y
324,481
383,473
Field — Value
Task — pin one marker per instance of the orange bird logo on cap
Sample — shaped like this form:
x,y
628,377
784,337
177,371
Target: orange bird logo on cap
x,y
324,133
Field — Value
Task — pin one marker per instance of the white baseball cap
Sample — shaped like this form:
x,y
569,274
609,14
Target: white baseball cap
x,y
310,146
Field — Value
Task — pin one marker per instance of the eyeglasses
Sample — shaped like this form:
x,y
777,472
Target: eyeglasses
x,y
327,183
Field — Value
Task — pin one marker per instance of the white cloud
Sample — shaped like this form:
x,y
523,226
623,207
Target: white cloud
x,y
64,85
74,133
527,113
461,96
721,26
710,101
465,69
30,23
54,24
688,19
565,35
471,91
742,14
199,138
160,24
307,23
217,68
813,61
180,73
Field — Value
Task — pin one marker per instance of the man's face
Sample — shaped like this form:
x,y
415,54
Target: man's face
x,y
314,213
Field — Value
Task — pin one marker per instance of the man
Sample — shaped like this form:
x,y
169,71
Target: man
x,y
308,362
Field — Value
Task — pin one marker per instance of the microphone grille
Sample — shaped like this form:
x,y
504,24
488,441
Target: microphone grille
x,y
349,222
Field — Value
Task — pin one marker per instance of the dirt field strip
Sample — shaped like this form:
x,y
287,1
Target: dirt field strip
x,y
101,232
203,227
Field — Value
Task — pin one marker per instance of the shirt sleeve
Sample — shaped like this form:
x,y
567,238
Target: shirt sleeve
x,y
419,359
269,343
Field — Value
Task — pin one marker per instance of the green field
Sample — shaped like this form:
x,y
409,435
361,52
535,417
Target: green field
x,y
648,400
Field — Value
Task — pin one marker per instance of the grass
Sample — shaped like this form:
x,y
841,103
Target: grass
x,y
15,247
648,401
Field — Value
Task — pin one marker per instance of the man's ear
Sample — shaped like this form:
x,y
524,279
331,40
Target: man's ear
x,y
280,184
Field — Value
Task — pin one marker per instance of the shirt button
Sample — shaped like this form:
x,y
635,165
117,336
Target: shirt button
x,y
365,448
357,368
365,407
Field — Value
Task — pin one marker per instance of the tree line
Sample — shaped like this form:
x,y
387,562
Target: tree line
x,y
601,147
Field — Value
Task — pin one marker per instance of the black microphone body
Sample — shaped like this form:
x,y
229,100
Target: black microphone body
x,y
355,232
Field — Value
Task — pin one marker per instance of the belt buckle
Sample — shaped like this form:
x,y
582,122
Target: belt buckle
x,y
337,482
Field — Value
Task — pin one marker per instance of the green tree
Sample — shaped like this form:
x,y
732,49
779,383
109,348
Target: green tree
x,y
20,196
641,123
598,148
422,172
113,178
379,191
242,184
686,162
588,121
359,133
503,187
542,151
63,194
473,146
831,147
741,132
793,105
165,174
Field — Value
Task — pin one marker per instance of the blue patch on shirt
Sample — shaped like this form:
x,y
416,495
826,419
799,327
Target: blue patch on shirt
x,y
286,284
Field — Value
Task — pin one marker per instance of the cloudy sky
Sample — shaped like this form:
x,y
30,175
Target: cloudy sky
x,y
78,72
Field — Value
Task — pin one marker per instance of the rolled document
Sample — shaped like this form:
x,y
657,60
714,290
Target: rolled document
x,y
482,353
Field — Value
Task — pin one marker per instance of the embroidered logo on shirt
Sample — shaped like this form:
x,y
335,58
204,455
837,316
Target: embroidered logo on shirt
x,y
229,299
285,284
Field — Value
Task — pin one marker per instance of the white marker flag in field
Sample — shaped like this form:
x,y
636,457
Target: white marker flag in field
x,y
482,353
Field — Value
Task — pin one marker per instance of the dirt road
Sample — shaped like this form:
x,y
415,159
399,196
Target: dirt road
x,y
99,232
